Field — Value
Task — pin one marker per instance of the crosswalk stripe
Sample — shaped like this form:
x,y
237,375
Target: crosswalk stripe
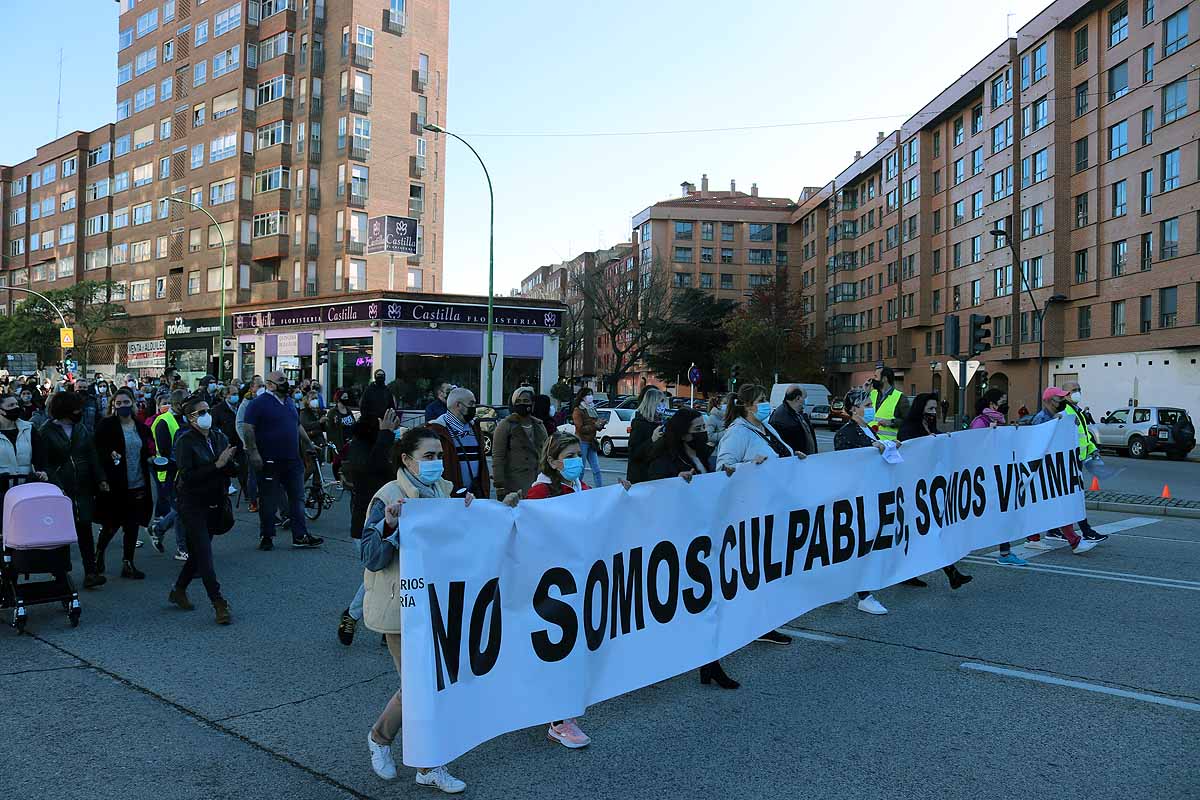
x,y
1090,687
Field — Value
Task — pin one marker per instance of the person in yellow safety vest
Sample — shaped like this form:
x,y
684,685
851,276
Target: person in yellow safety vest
x,y
1087,446
886,399
163,429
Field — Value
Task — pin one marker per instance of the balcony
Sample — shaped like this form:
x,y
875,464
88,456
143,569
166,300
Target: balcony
x,y
264,292
319,18
314,151
359,151
356,248
312,249
265,247
315,106
358,196
360,103
317,66
314,198
394,22
360,58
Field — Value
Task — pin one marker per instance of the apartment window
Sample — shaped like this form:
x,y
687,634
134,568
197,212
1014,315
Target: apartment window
x,y
1002,135
1147,191
977,205
143,213
957,254
1170,170
277,45
1118,140
1147,313
227,20
758,232
1002,89
977,161
193,282
274,89
726,231
124,109
95,191
356,277
1118,251
1118,24
124,74
222,192
975,293
1174,100
1175,32
122,145
681,280
364,41
272,223
937,143
1041,113
194,240
270,180
199,73
168,50
120,217
276,133
958,132
199,111
1081,266
201,35
706,231
1031,272
1002,184
147,23
1081,99
197,159
1081,46
682,254
226,61
1083,326
1147,12
164,128
1118,199
706,255
66,234
1002,281
145,61
1039,62
706,280
1169,236
1147,251
726,255
959,172
164,168
1168,300
67,200
1147,125
225,104
1037,217
1117,317
726,280
222,147
197,197
683,230
1148,64
124,38
756,256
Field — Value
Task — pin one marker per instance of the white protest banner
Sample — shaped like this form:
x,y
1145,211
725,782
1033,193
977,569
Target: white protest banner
x,y
516,617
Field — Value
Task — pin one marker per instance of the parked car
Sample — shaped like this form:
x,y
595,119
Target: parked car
x,y
819,415
612,430
837,414
1142,430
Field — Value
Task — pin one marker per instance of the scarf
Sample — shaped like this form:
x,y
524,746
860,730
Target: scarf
x,y
456,426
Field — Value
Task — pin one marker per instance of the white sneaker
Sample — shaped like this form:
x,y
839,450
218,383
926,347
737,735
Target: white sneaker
x,y
439,778
180,555
1083,546
871,606
1039,545
382,762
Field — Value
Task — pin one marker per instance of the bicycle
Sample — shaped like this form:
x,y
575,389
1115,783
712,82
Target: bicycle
x,y
322,493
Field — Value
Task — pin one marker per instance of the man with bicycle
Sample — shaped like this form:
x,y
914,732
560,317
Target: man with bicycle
x,y
272,437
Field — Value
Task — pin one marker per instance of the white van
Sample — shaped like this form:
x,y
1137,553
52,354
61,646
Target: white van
x,y
814,395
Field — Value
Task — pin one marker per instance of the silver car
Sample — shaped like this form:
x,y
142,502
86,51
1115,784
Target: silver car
x,y
1142,430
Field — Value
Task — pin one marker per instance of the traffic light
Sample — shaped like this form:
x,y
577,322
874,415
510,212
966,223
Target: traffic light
x,y
733,374
322,353
980,333
953,340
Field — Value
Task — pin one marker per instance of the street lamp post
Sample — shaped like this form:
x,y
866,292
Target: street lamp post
x,y
1040,311
491,354
224,267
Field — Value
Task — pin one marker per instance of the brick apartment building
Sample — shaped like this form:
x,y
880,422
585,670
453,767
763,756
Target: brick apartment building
x,y
288,120
1079,138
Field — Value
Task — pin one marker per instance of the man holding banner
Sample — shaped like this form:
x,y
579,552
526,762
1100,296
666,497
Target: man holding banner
x,y
515,623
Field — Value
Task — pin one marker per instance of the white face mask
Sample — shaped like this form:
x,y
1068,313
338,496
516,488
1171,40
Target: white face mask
x,y
1075,397
314,404
102,389
204,421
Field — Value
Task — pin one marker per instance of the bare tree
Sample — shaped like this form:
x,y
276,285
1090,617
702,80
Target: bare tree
x,y
627,307
570,340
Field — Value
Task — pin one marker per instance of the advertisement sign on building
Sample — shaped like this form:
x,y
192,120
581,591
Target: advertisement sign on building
x,y
399,311
146,354
391,234
288,344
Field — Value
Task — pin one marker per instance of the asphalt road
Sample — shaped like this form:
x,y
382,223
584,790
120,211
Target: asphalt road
x,y
944,697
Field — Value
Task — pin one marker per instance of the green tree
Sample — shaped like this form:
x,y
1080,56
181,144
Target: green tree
x,y
768,338
694,334
88,307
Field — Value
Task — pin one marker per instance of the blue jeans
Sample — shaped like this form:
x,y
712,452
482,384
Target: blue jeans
x,y
591,457
168,515
251,487
356,605
282,477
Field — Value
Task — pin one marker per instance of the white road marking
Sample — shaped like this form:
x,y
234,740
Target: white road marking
x,y
816,637
1090,687
1083,572
1026,552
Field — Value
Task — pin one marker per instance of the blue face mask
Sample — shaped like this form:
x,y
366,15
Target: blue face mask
x,y
660,409
572,468
763,411
868,415
398,433
233,399
430,471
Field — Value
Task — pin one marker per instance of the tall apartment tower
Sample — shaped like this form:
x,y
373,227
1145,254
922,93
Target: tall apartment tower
x,y
289,122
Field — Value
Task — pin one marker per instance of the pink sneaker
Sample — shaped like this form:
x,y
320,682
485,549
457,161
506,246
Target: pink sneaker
x,y
567,734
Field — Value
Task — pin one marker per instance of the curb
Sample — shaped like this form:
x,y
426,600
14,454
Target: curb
x,y
1144,510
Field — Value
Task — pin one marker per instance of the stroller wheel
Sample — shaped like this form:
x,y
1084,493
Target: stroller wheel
x,y
19,622
74,616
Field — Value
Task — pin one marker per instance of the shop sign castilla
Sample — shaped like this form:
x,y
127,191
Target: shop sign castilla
x,y
421,311
392,234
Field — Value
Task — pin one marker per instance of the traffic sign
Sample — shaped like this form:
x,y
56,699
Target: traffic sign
x,y
694,374
953,365
66,337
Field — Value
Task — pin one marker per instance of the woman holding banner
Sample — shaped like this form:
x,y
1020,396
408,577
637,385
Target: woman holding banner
x,y
749,438
683,451
420,476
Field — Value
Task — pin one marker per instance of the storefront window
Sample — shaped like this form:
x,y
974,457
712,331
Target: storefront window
x,y
420,375
519,372
247,361
294,368
192,365
350,366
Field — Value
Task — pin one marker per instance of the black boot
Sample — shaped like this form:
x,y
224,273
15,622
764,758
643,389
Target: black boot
x,y
128,570
916,582
713,672
958,579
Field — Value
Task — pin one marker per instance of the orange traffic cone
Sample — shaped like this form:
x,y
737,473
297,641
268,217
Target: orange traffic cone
x,y
1095,485
1166,494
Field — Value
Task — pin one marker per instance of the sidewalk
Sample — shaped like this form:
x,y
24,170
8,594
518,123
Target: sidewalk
x,y
1143,504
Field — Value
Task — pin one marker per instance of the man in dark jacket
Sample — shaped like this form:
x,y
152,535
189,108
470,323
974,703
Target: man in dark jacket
x,y
438,406
791,423
376,398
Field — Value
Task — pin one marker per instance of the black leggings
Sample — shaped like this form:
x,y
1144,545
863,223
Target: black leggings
x,y
199,547
129,525
87,545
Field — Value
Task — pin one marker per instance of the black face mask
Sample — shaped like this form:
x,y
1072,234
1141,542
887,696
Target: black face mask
x,y
379,380
282,388
76,416
1003,409
523,409
699,440
931,421
12,413
469,414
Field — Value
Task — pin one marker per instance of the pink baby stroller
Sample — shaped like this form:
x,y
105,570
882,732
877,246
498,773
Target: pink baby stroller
x,y
38,531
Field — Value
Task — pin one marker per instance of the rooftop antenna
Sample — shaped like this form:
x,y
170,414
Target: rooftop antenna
x,y
58,107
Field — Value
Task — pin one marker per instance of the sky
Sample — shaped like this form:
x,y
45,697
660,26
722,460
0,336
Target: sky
x,y
545,67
